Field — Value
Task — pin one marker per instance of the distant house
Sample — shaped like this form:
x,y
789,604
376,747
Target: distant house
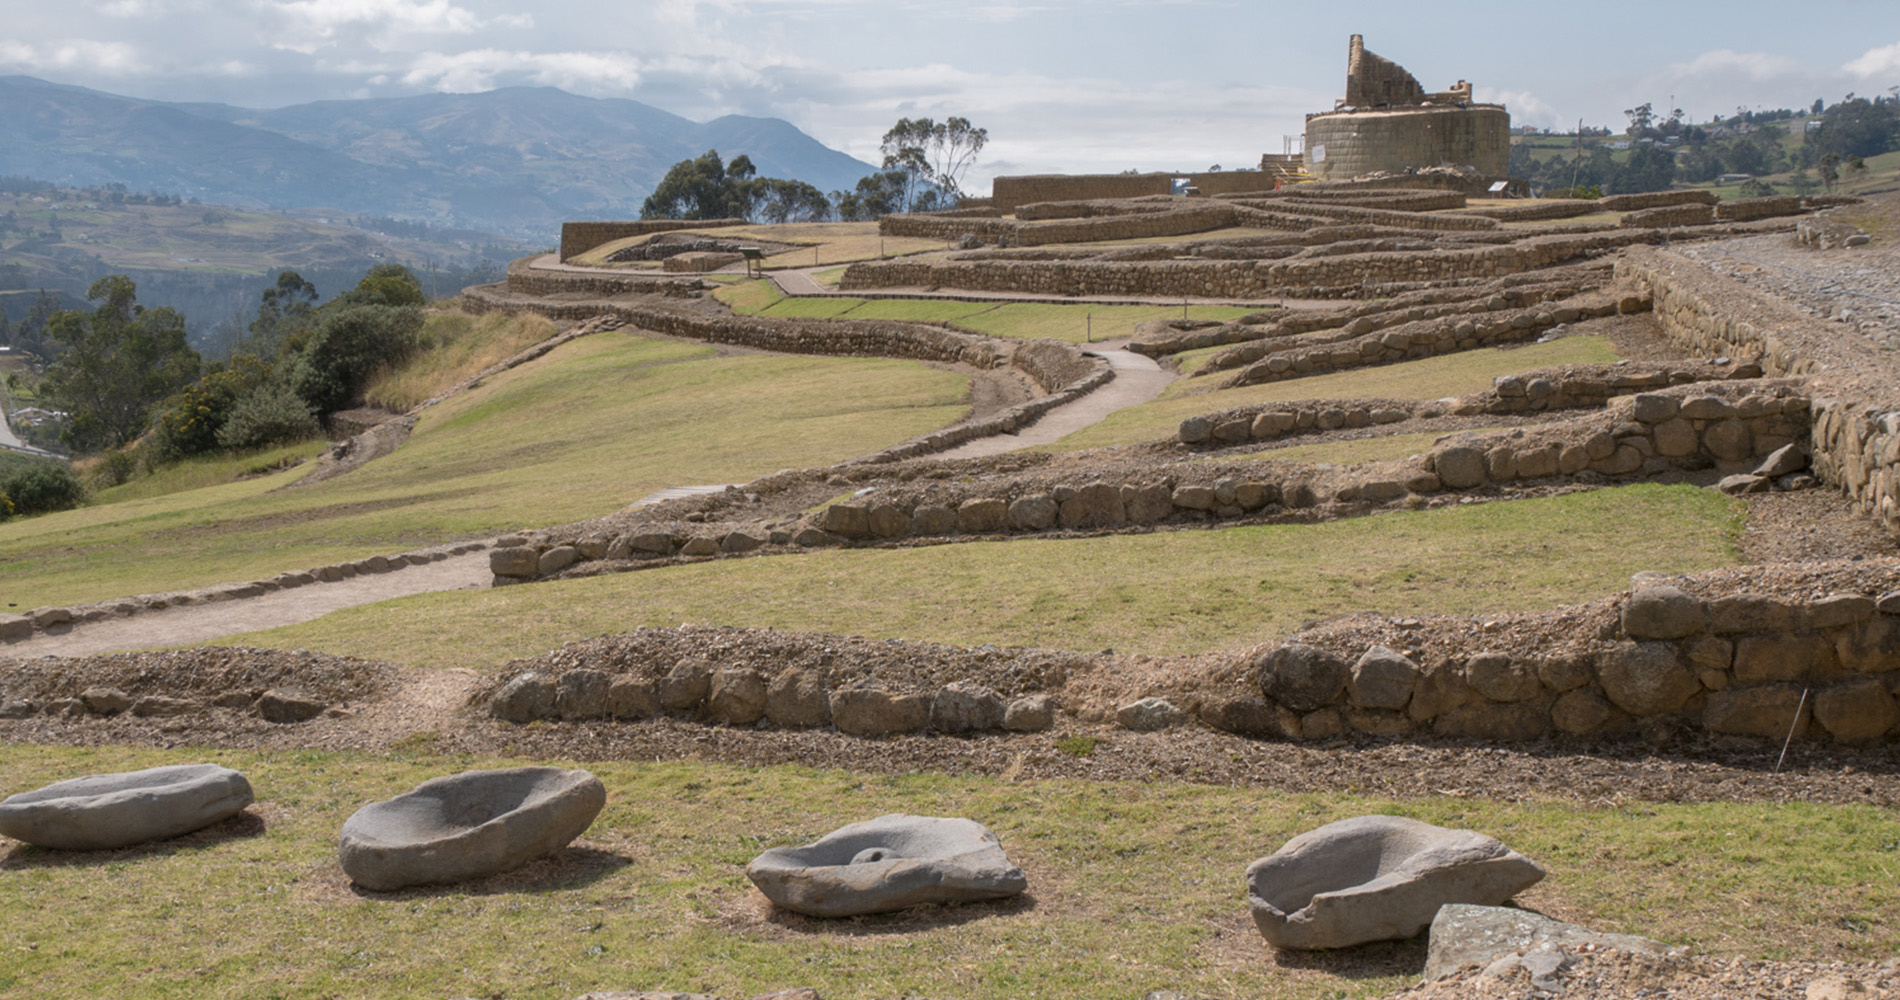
x,y
1731,178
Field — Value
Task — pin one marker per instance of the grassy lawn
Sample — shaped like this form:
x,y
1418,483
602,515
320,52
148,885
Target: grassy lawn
x,y
202,471
591,427
1072,324
1374,449
454,346
1131,886
1166,593
1430,378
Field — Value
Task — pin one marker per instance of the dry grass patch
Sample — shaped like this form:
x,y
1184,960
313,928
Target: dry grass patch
x,y
454,346
1133,887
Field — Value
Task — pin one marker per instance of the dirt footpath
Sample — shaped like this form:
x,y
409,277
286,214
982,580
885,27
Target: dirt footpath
x,y
203,622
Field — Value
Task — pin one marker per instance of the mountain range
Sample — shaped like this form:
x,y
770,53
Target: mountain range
x,y
517,161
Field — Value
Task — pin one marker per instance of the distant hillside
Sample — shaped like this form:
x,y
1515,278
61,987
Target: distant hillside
x,y
211,261
519,160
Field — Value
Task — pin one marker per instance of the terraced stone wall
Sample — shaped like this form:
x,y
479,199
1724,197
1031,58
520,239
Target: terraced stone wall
x,y
1758,665
579,237
1347,144
1855,424
1007,193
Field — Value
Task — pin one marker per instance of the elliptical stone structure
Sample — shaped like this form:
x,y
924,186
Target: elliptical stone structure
x,y
1388,122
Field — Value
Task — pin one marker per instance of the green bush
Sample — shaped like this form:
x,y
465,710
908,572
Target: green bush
x,y
346,347
39,487
191,425
271,413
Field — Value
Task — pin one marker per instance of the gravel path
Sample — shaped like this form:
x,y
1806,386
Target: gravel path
x,y
1857,287
194,623
1137,380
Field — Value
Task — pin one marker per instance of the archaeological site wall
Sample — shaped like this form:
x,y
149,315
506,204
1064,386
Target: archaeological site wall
x,y
579,237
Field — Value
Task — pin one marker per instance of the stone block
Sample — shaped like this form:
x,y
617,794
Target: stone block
x,y
740,541
798,699
963,707
1030,714
1097,505
1766,712
847,520
557,559
1645,678
736,696
1035,512
517,560
982,516
685,686
887,521
632,697
1662,612
1500,677
1147,504
1581,712
1764,659
1246,715
1382,678
1504,723
932,519
876,712
1194,497
1872,647
1859,711
1837,611
582,694
700,545
1757,613
284,706
523,698
1302,677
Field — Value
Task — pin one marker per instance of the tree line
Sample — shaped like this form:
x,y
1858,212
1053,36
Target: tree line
x,y
133,389
923,166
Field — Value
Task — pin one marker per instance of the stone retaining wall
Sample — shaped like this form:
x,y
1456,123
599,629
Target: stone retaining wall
x,y
1755,665
1419,220
1668,215
1571,387
1555,208
1855,436
579,237
1759,208
525,279
1654,199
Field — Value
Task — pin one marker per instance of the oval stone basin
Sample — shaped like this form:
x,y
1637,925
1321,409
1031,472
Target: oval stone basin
x,y
467,826
105,811
888,863
1377,878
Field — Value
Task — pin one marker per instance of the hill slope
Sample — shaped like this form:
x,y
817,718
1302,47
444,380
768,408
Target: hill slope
x,y
518,160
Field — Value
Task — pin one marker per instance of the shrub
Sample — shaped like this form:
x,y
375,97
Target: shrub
x,y
39,487
196,416
346,347
271,413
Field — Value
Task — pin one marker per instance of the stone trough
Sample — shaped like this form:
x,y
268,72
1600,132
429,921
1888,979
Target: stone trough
x,y
1377,878
106,811
888,863
468,826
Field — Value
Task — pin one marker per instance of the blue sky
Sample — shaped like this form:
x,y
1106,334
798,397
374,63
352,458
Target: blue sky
x,y
1062,86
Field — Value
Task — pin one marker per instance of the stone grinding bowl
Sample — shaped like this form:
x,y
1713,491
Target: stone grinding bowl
x,y
888,863
106,811
1377,878
467,826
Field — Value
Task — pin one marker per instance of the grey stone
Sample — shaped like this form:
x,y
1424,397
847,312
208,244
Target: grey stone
x,y
1771,712
849,520
930,519
1033,513
737,696
888,863
1382,678
160,705
1662,612
1787,459
797,699
1742,483
963,707
632,698
1499,677
1302,677
514,560
1030,714
582,694
525,698
740,541
105,700
1858,711
1097,505
17,709
888,521
1646,678
700,545
1459,467
685,686
14,628
658,543
1149,715
284,706
467,826
981,515
107,811
1464,935
876,712
1377,878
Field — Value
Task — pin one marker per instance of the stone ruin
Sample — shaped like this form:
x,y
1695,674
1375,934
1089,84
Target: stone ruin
x,y
1388,123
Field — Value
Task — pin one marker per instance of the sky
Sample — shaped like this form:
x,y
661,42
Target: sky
x,y
1062,86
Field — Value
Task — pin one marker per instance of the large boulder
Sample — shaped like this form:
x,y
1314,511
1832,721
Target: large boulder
x,y
888,863
1377,878
468,826
1302,677
105,811
1464,935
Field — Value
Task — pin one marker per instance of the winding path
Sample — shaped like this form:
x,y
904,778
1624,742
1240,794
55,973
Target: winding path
x,y
1137,380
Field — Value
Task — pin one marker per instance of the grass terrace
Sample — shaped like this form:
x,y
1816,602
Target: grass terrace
x,y
1132,886
1160,593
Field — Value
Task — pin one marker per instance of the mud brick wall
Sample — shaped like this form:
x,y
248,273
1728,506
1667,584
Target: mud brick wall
x,y
579,237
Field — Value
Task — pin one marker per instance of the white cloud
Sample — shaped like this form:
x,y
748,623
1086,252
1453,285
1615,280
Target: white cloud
x,y
484,69
109,58
1727,63
1525,107
1881,62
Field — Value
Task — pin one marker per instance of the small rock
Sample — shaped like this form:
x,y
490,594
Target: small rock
x,y
1149,715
